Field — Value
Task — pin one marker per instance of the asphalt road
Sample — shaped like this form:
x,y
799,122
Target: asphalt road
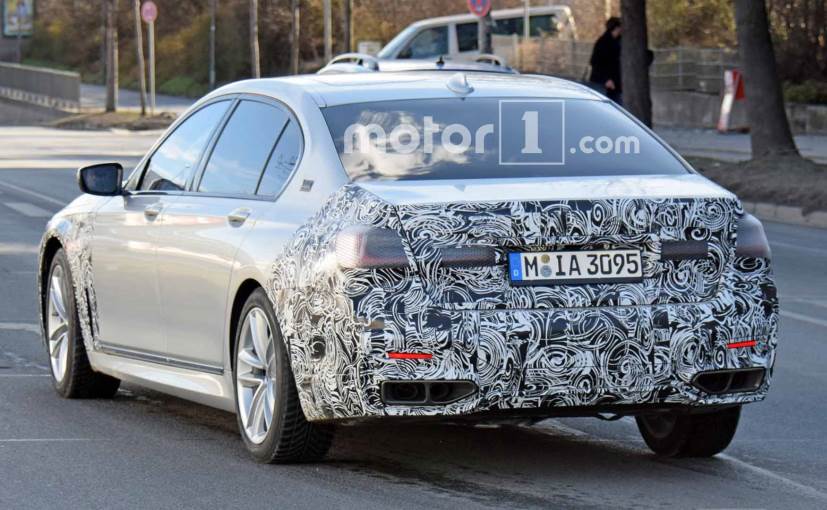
x,y
145,449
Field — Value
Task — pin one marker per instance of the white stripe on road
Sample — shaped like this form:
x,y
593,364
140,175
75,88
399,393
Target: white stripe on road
x,y
798,247
20,326
804,318
30,210
35,194
792,484
25,375
17,248
628,420
49,440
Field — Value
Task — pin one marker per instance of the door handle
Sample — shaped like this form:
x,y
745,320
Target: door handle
x,y
153,210
239,216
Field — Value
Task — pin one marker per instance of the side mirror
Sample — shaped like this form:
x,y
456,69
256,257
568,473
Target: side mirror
x,y
104,179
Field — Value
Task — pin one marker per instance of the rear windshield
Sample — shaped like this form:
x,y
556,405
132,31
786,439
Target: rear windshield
x,y
484,138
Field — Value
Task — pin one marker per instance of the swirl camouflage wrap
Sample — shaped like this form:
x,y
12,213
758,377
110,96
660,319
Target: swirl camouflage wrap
x,y
524,347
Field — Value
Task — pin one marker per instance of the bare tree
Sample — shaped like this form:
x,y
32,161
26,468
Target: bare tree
x,y
139,48
212,43
111,7
328,30
770,133
346,29
255,64
634,60
295,35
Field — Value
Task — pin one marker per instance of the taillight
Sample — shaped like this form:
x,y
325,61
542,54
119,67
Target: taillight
x,y
752,241
365,247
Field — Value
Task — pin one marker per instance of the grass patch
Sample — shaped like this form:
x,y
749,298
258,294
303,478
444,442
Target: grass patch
x,y
781,180
109,120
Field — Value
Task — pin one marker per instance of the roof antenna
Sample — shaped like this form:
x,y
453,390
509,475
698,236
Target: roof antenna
x,y
440,61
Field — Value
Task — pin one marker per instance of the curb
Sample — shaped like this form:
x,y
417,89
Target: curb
x,y
786,214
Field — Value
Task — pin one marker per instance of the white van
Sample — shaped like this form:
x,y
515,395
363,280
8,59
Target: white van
x,y
456,36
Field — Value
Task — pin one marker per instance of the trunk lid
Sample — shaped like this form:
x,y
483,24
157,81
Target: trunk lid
x,y
659,215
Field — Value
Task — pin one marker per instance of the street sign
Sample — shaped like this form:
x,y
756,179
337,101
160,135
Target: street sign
x,y
149,11
479,7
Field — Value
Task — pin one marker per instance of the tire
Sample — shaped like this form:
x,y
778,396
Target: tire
x,y
689,435
288,436
72,375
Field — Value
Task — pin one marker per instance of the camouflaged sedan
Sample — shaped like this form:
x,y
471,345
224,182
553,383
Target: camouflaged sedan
x,y
329,249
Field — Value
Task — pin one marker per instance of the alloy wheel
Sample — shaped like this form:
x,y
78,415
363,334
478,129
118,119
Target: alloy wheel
x,y
255,376
58,323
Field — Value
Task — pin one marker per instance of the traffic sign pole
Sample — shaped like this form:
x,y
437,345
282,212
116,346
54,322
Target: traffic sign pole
x,y
151,67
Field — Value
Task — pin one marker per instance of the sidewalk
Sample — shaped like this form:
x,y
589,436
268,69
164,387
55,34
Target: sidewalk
x,y
93,97
709,143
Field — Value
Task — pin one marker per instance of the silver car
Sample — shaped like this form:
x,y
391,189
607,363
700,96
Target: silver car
x,y
327,249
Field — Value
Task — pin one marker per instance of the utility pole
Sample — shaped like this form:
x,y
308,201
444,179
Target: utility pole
x,y
328,31
111,56
346,25
139,47
213,8
255,65
295,36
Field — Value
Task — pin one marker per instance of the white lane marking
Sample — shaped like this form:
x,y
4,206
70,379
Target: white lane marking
x,y
797,247
25,375
814,301
49,440
35,194
800,487
17,248
804,318
628,420
30,210
20,326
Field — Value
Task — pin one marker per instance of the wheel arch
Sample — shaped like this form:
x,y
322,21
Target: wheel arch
x,y
49,248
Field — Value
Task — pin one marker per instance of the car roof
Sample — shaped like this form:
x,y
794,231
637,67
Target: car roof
x,y
347,88
496,14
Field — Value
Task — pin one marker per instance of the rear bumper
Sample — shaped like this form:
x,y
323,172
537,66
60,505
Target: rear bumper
x,y
554,361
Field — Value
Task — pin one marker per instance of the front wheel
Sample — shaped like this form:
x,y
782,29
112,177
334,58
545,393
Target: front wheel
x,y
270,417
72,375
689,435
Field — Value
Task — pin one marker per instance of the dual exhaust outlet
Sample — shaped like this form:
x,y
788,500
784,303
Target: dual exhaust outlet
x,y
729,381
426,392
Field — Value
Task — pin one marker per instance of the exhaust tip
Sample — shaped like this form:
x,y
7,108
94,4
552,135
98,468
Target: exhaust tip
x,y
426,392
729,381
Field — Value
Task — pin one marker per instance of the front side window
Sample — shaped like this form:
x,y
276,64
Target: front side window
x,y
430,42
543,25
242,149
488,137
174,162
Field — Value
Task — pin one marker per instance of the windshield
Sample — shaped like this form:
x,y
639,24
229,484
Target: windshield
x,y
483,138
392,48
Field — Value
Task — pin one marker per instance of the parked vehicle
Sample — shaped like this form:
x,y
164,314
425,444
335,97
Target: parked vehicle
x,y
323,249
456,36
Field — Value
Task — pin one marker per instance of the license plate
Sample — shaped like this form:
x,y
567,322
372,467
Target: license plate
x,y
573,267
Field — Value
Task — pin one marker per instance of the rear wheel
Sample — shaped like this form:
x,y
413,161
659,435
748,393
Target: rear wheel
x,y
689,435
72,375
270,417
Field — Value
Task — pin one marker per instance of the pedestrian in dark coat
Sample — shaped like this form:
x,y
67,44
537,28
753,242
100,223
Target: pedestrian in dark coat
x,y
605,61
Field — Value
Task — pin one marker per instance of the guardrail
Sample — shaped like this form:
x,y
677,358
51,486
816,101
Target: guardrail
x,y
39,85
679,68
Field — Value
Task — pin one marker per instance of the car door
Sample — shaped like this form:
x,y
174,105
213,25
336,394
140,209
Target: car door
x,y
204,228
125,239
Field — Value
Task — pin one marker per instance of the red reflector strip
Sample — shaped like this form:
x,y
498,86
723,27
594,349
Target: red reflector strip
x,y
746,343
410,355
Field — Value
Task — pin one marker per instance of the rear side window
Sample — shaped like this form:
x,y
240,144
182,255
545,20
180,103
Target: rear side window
x,y
175,160
243,148
543,25
282,161
430,42
467,36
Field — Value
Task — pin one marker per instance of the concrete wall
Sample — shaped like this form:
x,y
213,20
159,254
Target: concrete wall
x,y
697,110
